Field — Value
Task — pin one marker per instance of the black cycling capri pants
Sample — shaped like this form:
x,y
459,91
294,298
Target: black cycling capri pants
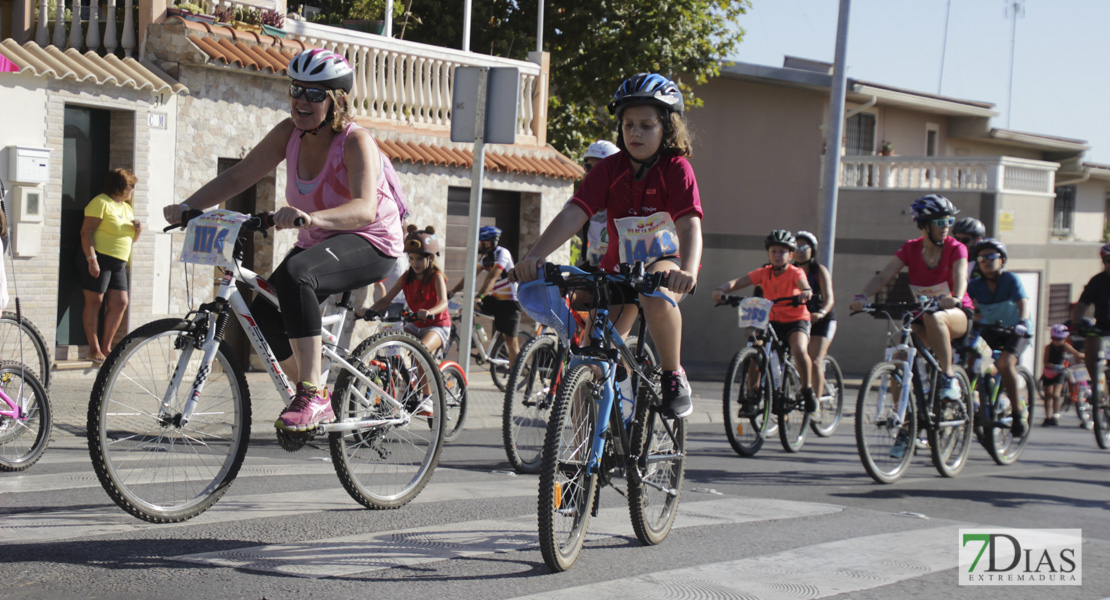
x,y
505,313
307,277
1006,342
824,327
113,273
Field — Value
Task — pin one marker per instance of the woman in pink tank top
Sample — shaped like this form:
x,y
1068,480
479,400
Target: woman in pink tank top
x,y
352,221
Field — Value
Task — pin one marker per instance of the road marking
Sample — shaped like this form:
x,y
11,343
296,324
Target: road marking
x,y
67,523
816,571
347,555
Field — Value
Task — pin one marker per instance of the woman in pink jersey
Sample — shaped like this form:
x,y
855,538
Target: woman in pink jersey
x,y
654,216
352,232
937,270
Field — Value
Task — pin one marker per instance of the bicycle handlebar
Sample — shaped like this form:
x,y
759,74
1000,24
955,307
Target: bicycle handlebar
x,y
795,300
648,284
262,221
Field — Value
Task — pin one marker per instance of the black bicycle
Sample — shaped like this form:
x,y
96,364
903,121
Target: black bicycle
x,y
994,417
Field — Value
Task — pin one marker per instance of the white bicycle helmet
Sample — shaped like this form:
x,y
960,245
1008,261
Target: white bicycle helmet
x,y
601,149
323,68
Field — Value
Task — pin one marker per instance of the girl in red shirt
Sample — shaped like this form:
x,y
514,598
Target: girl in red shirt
x,y
425,288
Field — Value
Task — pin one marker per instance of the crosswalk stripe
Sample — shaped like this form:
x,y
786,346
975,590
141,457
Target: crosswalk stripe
x,y
817,571
346,555
68,523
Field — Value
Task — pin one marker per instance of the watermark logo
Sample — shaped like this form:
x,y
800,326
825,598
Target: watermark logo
x,y
1021,557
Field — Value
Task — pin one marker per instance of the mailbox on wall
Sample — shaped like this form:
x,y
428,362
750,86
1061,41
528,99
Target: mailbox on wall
x,y
28,165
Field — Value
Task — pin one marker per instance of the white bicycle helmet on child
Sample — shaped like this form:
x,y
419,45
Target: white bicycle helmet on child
x,y
601,149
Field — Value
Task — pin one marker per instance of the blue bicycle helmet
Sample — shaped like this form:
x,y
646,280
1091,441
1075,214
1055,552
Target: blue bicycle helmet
x,y
932,206
647,88
489,233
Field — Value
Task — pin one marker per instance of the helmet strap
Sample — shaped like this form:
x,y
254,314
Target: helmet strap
x,y
327,121
645,165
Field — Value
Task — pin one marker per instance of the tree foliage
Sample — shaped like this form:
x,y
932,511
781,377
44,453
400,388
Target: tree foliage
x,y
594,45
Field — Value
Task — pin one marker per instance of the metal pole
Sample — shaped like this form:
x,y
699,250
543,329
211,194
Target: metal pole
x,y
466,31
833,133
471,268
944,47
388,18
539,29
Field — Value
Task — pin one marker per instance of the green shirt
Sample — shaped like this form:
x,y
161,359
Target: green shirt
x,y
114,234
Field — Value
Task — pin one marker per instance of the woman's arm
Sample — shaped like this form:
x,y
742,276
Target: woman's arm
x,y
565,224
959,287
88,226
824,279
364,165
878,281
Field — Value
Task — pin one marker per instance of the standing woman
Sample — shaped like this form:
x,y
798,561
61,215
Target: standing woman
x,y
351,234
109,229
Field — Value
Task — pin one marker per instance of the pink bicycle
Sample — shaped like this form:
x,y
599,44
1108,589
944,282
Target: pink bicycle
x,y
25,417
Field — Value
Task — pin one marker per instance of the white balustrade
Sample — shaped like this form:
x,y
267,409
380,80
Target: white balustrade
x,y
92,40
128,29
75,26
59,39
410,82
948,173
110,39
42,36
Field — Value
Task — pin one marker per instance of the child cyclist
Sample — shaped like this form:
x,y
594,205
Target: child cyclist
x,y
1052,379
654,216
1000,299
780,279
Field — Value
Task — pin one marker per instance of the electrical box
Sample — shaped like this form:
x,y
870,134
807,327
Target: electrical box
x,y
27,204
26,239
28,165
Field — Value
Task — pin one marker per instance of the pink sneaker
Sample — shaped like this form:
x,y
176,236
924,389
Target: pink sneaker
x,y
310,407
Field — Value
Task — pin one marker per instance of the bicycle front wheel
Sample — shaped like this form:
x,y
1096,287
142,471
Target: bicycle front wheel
x,y
152,462
500,373
22,342
454,384
885,438
747,402
951,430
831,401
24,435
528,397
794,418
567,489
1100,406
1004,447
655,481
385,465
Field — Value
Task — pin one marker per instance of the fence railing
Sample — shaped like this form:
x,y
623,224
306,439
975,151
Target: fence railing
x,y
396,80
83,35
948,173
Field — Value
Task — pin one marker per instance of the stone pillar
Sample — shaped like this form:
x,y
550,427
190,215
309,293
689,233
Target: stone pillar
x,y
539,100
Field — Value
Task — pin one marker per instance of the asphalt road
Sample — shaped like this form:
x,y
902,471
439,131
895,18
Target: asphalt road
x,y
805,525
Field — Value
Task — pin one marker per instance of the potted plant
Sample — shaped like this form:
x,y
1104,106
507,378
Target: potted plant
x,y
248,19
273,23
225,16
886,149
197,12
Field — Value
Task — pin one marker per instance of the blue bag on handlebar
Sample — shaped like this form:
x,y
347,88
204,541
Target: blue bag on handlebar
x,y
544,303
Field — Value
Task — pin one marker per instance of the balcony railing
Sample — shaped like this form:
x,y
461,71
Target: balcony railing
x,y
1001,173
397,80
83,35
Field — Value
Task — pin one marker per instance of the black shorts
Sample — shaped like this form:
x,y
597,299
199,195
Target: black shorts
x,y
113,273
1006,342
784,330
825,327
505,313
1046,380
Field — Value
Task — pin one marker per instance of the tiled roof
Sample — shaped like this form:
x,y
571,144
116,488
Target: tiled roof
x,y
237,48
540,161
71,64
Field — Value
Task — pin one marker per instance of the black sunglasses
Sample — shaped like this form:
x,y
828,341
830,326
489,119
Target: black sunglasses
x,y
312,94
989,257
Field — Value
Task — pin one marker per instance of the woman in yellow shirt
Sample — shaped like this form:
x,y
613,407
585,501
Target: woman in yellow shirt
x,y
107,233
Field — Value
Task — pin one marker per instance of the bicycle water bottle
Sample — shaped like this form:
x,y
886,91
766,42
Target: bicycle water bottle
x,y
481,332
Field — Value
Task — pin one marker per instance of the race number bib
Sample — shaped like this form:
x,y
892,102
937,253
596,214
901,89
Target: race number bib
x,y
755,312
932,292
210,238
645,239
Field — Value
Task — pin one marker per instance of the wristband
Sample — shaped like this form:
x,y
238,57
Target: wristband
x,y
90,258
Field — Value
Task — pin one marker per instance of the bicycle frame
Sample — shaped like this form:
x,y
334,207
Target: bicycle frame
x,y
15,411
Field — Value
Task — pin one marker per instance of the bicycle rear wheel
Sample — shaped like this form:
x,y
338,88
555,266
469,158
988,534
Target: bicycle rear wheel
x,y
747,402
529,394
655,483
23,437
794,420
151,464
454,384
825,422
884,439
1100,406
22,342
386,466
1004,447
500,373
567,490
951,430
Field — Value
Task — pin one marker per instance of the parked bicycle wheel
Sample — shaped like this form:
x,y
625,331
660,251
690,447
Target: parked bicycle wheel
x,y
151,463
951,434
528,397
500,373
884,440
567,492
454,384
22,342
387,465
1100,408
831,400
1004,447
25,435
747,402
654,491
794,419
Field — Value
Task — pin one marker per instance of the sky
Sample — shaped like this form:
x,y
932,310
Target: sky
x,y
1060,86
